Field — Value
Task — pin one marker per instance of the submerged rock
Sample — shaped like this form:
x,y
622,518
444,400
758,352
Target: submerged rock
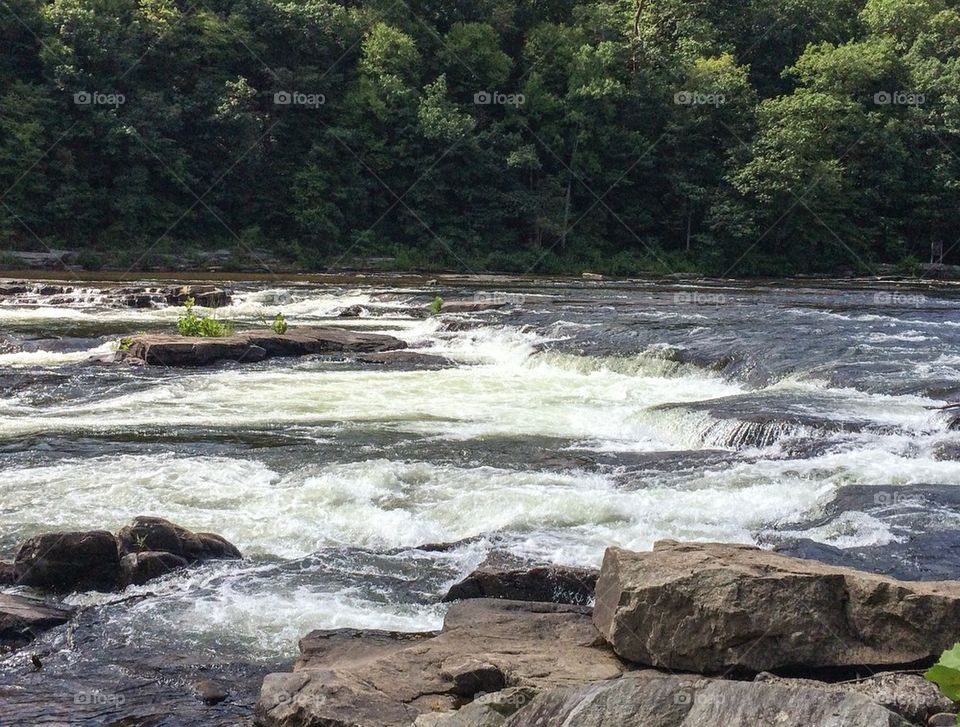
x,y
408,359
557,584
22,619
711,608
69,561
681,702
253,346
377,679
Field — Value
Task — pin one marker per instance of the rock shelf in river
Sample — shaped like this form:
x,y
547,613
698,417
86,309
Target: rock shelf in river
x,y
253,346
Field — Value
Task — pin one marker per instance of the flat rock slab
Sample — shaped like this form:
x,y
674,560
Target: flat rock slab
x,y
379,679
253,346
710,608
682,702
21,618
558,584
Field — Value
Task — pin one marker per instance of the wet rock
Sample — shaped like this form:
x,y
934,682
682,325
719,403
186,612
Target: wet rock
x,y
138,568
710,608
680,702
69,561
943,719
470,306
21,619
353,311
410,359
159,535
8,574
379,679
207,296
909,695
253,346
922,518
210,691
558,584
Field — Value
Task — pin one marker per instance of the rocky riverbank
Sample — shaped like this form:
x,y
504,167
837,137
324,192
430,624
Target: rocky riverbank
x,y
687,634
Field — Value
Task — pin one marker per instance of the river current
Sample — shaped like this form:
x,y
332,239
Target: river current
x,y
580,415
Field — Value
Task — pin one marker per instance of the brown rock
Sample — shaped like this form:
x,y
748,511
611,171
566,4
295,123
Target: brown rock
x,y
709,608
138,568
381,680
69,561
210,691
253,346
156,534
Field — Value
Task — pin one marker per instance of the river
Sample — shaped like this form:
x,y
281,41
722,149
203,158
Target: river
x,y
580,415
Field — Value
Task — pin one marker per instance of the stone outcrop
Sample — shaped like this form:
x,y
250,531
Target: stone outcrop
x,y
406,359
69,561
558,584
253,346
22,619
670,701
382,679
162,536
131,296
711,608
98,560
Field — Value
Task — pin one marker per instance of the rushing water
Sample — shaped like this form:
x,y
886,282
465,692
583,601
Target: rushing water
x,y
581,415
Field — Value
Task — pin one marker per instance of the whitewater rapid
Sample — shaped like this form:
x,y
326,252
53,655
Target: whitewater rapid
x,y
575,418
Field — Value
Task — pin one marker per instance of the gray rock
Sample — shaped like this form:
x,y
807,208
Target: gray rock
x,y
909,695
21,618
680,702
709,608
69,561
558,584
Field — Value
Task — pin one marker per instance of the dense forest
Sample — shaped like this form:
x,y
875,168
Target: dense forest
x,y
762,136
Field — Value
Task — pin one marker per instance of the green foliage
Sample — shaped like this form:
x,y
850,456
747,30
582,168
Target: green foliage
x,y
530,137
436,305
946,674
279,325
190,324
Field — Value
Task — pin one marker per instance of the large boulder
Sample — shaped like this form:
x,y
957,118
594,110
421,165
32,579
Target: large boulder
x,y
208,296
559,584
162,536
69,561
680,702
711,608
378,679
21,619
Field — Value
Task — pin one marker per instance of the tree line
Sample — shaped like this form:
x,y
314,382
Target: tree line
x,y
754,137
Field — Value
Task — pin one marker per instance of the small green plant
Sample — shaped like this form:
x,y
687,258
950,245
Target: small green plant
x,y
279,325
141,541
190,324
436,305
946,674
125,344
